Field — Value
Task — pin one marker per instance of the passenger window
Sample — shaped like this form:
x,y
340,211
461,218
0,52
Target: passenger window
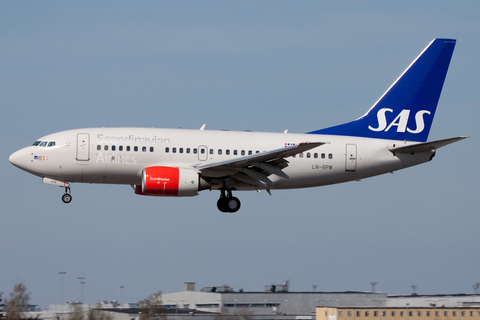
x,y
323,155
180,150
105,147
167,149
330,156
301,155
294,156
144,149
308,154
174,150
194,150
220,151
120,148
135,148
128,148
243,152
257,151
202,151
250,152
43,144
234,152
227,152
99,147
188,150
113,148
211,151
315,155
151,149
36,143
51,144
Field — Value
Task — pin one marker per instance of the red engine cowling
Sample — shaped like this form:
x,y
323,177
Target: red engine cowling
x,y
169,182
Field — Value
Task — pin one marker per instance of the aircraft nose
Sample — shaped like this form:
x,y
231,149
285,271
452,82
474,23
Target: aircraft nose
x,y
18,159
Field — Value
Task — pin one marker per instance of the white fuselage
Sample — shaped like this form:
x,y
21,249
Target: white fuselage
x,y
119,155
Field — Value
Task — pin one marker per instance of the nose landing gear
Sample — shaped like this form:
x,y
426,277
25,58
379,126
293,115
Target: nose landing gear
x,y
228,203
67,197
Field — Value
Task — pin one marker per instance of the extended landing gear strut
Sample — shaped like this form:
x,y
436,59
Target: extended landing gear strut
x,y
67,197
228,203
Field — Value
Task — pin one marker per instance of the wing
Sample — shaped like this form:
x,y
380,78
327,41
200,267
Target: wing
x,y
255,169
426,146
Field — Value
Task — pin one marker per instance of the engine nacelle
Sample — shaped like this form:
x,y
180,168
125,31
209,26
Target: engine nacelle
x,y
169,182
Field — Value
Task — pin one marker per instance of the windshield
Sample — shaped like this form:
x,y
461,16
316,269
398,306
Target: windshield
x,y
36,143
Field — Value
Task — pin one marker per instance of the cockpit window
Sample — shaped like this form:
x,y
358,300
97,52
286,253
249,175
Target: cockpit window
x,y
43,144
51,144
36,143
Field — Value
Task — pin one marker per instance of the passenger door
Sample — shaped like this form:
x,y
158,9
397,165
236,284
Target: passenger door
x,y
83,146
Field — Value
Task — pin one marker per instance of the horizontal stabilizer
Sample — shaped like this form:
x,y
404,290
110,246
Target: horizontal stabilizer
x,y
426,146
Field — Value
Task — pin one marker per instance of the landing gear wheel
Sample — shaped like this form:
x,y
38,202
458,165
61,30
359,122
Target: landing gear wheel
x,y
66,198
232,204
228,204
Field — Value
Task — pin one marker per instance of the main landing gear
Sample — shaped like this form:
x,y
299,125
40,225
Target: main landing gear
x,y
228,203
67,197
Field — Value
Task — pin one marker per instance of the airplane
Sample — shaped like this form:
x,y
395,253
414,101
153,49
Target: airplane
x,y
390,136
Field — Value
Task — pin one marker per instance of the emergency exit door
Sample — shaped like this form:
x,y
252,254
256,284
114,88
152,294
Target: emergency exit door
x,y
83,147
351,158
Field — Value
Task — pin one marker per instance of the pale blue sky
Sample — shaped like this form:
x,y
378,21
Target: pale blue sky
x,y
262,66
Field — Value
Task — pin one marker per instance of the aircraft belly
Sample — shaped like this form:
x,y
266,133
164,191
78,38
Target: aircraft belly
x,y
111,174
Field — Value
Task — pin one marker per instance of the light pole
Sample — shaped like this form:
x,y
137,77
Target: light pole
x,y
373,283
476,287
121,294
414,287
83,289
61,273
80,293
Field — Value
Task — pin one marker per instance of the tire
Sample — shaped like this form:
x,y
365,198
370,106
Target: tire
x,y
66,198
221,204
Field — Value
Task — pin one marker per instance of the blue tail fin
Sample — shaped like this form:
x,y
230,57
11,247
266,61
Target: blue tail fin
x,y
406,110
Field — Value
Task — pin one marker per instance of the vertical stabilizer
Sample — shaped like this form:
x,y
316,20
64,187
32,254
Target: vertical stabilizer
x,y
406,110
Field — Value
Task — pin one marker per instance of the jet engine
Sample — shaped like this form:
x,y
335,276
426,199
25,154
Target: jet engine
x,y
170,182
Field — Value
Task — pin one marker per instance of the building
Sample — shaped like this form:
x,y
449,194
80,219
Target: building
x,y
276,301
398,313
